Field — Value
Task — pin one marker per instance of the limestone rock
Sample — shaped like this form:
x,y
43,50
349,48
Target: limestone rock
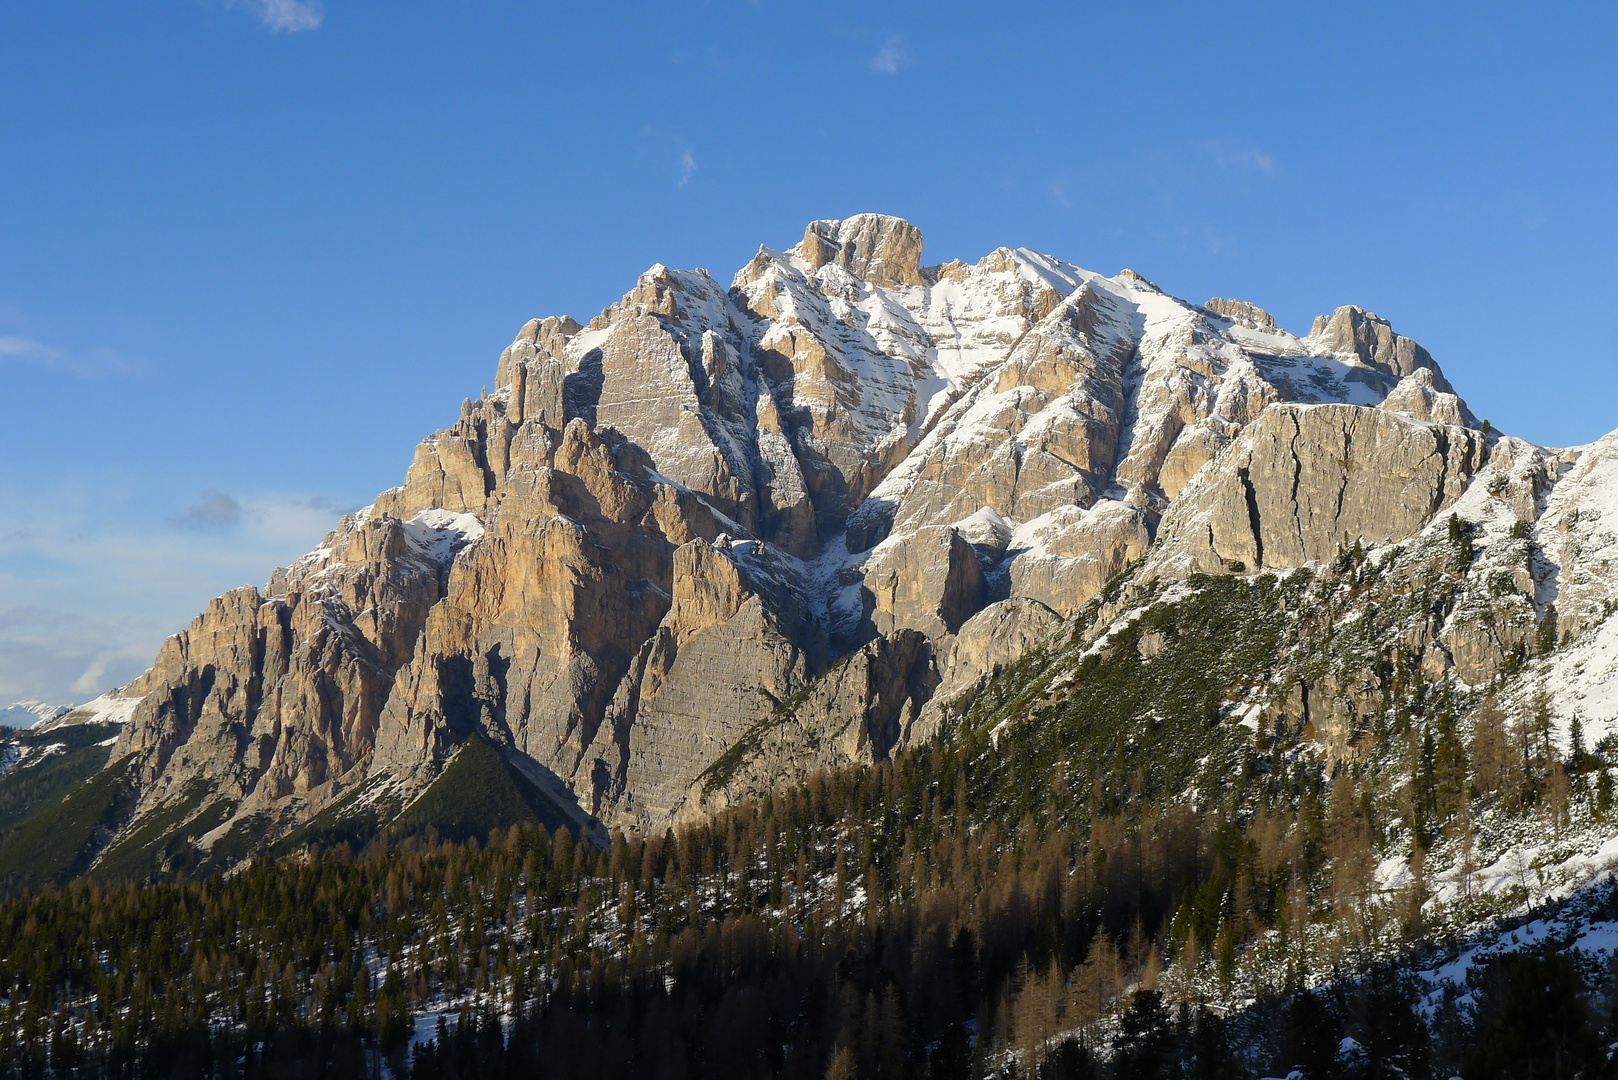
x,y
1193,448
931,582
994,638
1302,480
266,698
860,711
721,659
1382,357
1419,397
1241,312
1578,533
873,247
1063,558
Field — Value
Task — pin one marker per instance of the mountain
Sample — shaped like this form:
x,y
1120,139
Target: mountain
x,y
663,524
814,506
28,713
875,667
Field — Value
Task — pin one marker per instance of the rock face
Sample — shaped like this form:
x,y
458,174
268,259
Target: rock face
x,y
874,248
728,651
1418,396
1380,357
717,535
867,706
995,637
1303,480
933,582
1242,313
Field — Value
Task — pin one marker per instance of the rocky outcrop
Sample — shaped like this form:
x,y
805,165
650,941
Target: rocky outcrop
x,y
861,711
931,582
725,655
1063,558
1381,358
1242,313
994,638
872,247
1304,480
269,697
1418,396
1043,432
1577,534
1334,710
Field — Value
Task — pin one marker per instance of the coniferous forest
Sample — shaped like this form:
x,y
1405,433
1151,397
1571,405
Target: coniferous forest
x,y
1039,900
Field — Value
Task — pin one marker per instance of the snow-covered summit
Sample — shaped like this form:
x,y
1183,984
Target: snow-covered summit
x,y
21,714
887,446
112,707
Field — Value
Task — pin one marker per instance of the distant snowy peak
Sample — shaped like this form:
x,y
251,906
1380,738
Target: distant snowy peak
x,y
109,708
21,714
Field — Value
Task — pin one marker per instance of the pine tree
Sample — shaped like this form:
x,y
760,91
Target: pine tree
x,y
1395,1037
1312,1037
1532,1020
1545,639
1460,538
1145,1041
1211,1055
1490,758
952,1059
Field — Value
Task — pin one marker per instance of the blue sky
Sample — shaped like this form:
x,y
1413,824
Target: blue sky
x,y
252,251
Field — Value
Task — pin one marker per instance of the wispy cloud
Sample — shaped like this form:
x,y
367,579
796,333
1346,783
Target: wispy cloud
x,y
285,16
325,504
1242,157
893,55
86,598
16,348
663,146
212,510
93,679
89,362
68,657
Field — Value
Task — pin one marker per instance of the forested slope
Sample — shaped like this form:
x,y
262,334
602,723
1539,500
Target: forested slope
x,y
1098,867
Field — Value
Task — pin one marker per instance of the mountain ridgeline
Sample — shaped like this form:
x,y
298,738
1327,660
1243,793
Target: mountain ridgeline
x,y
872,668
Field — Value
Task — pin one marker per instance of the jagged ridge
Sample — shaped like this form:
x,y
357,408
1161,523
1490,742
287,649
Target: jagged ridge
x,y
662,525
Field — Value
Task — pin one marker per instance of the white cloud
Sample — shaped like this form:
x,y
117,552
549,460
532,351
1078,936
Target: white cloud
x,y
1239,156
93,681
68,657
91,362
212,510
286,16
86,599
688,165
893,55
16,348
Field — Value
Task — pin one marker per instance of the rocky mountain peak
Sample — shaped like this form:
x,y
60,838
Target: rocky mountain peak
x,y
1240,311
1368,340
875,248
665,523
1418,396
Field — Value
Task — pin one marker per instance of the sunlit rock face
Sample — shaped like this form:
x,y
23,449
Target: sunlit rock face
x,y
839,483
